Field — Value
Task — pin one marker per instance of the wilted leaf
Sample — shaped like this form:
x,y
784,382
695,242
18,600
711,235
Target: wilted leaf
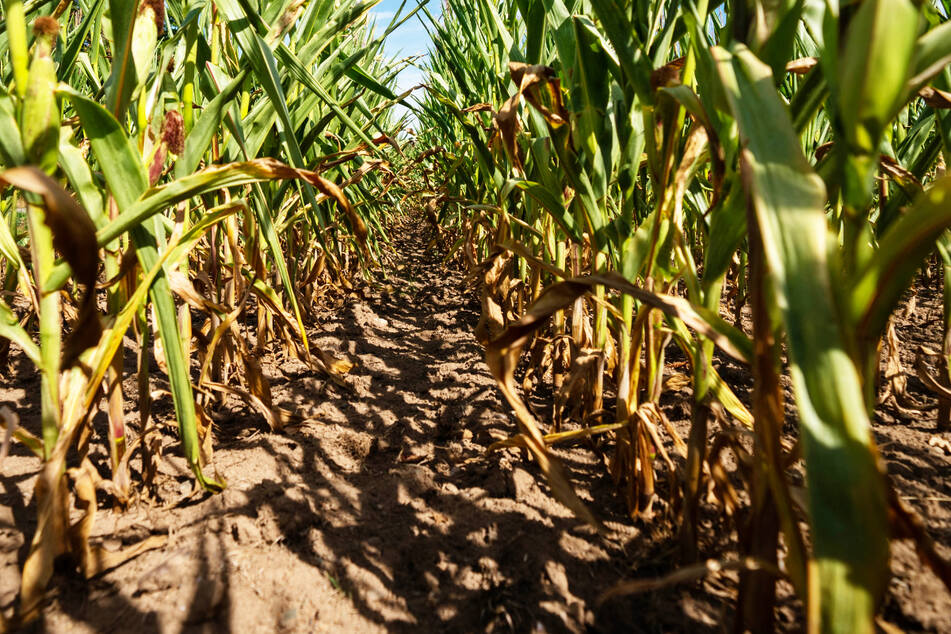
x,y
74,235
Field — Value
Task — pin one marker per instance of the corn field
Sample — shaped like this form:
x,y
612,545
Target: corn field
x,y
649,199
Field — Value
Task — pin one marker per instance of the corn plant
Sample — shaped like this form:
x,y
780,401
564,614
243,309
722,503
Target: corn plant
x,y
611,168
183,159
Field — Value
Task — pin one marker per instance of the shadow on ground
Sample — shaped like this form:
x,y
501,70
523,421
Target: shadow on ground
x,y
384,512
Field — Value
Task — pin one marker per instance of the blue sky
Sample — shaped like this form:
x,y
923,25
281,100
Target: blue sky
x,y
410,39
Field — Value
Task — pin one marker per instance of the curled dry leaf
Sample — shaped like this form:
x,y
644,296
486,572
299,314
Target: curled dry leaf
x,y
49,541
725,336
52,501
277,417
940,388
267,168
385,138
95,560
935,98
369,165
894,379
890,168
527,77
822,150
126,267
519,440
532,78
801,66
905,179
324,362
584,370
492,319
668,74
479,107
331,190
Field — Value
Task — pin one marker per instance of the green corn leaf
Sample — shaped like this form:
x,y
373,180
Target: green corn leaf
x,y
39,118
8,246
166,315
633,62
11,329
901,251
77,39
15,16
127,181
879,46
932,54
160,198
121,165
727,230
553,205
122,78
170,258
846,495
11,147
208,124
76,168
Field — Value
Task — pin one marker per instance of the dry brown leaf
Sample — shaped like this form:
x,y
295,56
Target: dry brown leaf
x,y
802,65
335,364
935,98
938,387
183,287
676,382
206,436
368,166
50,539
506,119
331,190
668,74
479,107
128,264
905,179
503,353
216,338
552,85
272,168
277,417
74,236
385,138
491,320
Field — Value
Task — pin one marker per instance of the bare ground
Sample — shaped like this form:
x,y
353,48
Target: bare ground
x,y
386,513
